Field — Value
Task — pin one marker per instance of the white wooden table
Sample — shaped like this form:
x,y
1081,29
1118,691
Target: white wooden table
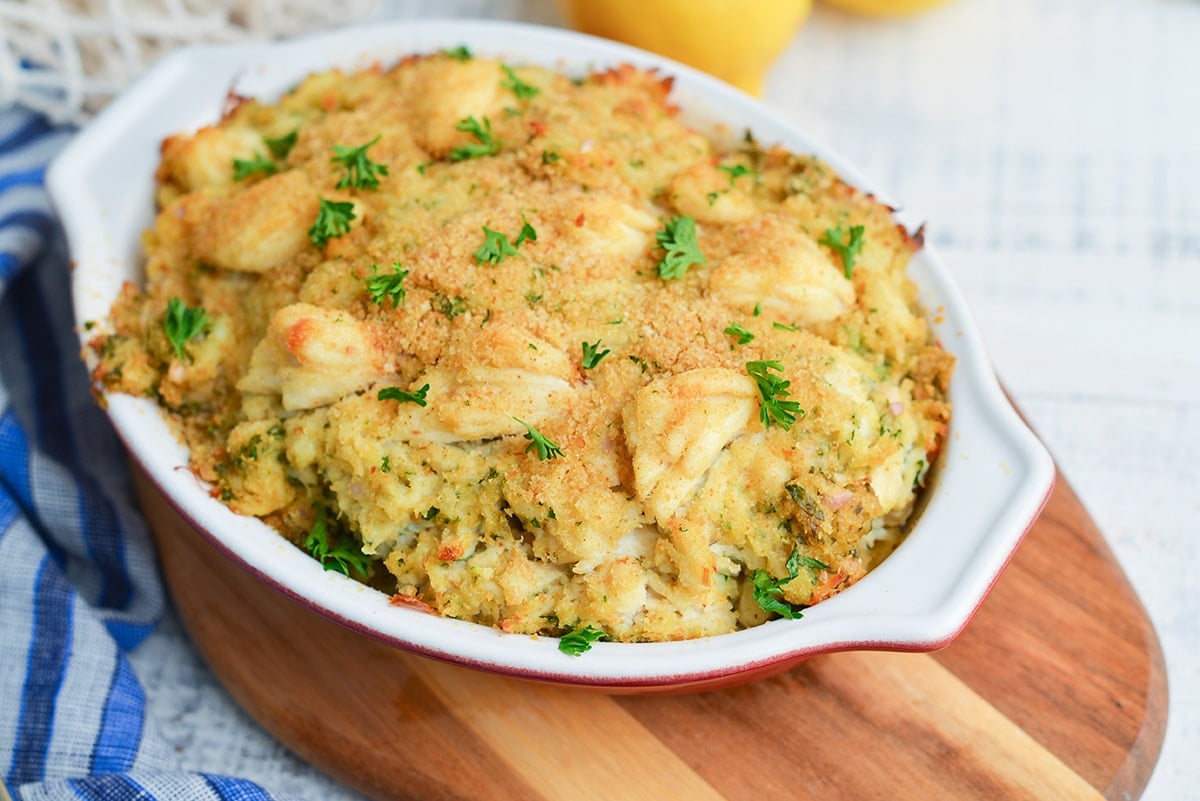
x,y
1054,148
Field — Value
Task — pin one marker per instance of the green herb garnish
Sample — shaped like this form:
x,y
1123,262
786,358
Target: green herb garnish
x,y
451,307
784,327
739,333
772,389
381,287
848,250
527,233
282,145
460,53
385,464
361,172
342,558
333,220
768,592
485,144
523,90
183,323
244,168
737,171
592,354
545,448
397,394
579,641
678,239
494,248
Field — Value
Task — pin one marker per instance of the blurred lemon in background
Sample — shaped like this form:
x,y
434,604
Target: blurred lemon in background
x,y
733,40
883,8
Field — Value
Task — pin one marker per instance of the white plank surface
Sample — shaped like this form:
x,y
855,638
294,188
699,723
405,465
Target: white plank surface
x,y
1054,148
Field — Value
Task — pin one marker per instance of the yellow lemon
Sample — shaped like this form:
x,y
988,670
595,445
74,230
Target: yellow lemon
x,y
735,41
884,8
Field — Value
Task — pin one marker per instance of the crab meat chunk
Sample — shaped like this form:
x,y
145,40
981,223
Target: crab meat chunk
x,y
677,426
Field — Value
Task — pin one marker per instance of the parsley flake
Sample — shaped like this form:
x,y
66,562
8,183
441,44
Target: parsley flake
x,y
527,233
740,333
494,248
244,168
592,354
382,287
545,448
579,641
280,146
451,307
847,250
385,464
737,171
678,239
342,558
485,144
772,389
183,323
361,172
397,394
768,592
460,53
523,90
333,220
784,327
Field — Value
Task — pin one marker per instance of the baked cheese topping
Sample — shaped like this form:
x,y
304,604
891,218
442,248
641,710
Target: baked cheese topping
x,y
532,352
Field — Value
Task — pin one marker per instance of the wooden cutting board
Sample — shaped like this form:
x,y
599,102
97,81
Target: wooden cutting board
x,y
1056,690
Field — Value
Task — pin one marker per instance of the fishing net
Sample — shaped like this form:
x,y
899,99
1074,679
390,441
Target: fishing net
x,y
67,58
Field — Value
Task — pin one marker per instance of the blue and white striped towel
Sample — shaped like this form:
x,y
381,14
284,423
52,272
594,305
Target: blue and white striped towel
x,y
78,583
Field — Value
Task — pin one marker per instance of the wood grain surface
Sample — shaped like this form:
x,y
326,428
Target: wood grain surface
x,y
1056,690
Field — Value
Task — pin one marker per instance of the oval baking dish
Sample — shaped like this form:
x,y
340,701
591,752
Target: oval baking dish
x,y
992,478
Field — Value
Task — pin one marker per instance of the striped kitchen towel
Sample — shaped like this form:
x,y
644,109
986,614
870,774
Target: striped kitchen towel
x,y
78,583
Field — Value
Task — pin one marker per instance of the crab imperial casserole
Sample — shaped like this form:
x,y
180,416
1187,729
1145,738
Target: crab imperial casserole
x,y
527,350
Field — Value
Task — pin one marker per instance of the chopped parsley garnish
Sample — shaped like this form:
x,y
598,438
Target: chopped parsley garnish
x,y
545,448
485,144
282,145
757,309
183,323
382,287
550,157
451,307
342,558
678,239
784,327
521,89
737,171
361,172
397,394
333,220
806,503
768,592
244,168
739,333
848,250
460,53
772,389
494,248
385,464
527,233
592,354
579,641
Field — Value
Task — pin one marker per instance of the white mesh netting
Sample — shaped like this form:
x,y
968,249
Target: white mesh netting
x,y
66,58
